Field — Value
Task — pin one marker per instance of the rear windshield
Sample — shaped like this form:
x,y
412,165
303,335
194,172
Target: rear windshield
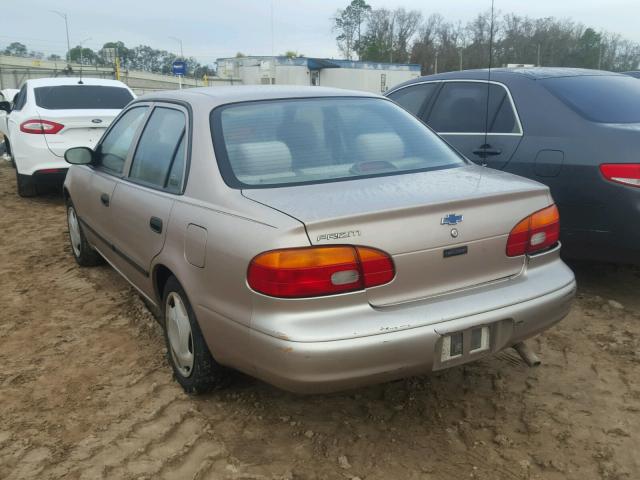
x,y
315,140
68,97
603,99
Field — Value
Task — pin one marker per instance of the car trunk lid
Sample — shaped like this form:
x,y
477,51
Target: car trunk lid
x,y
446,230
82,128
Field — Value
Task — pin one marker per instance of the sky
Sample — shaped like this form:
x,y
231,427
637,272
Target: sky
x,y
210,29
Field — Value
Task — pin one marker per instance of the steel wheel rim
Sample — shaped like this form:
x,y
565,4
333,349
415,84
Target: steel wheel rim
x,y
179,334
74,232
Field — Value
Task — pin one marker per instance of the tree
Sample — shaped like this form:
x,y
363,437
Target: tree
x,y
88,56
122,51
348,24
589,49
17,49
53,57
143,57
240,55
292,54
425,47
388,35
405,25
377,43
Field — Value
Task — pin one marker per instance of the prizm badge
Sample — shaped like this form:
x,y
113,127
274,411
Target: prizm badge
x,y
451,219
338,235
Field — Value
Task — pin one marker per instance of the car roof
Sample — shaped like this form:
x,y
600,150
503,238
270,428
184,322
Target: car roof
x,y
59,81
555,72
243,93
506,74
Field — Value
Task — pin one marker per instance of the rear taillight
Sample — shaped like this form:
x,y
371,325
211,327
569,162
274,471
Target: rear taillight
x,y
318,271
537,232
624,173
41,127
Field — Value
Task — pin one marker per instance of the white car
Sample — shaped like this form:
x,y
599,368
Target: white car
x,y
51,115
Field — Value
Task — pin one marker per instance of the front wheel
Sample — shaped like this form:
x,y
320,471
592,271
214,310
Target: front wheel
x,y
193,366
85,254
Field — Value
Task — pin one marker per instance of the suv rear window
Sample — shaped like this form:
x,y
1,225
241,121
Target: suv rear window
x,y
300,141
69,97
599,98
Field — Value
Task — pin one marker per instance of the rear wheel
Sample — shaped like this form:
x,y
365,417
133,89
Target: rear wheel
x,y
26,185
193,366
85,254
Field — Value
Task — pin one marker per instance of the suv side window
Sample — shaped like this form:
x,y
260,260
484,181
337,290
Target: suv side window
x,y
461,108
159,157
20,98
114,148
413,98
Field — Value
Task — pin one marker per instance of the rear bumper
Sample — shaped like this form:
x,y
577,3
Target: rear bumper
x,y
323,366
617,240
32,155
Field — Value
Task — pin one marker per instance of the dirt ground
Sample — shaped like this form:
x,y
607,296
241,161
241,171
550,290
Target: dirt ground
x,y
85,391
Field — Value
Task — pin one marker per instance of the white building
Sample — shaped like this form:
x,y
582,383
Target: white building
x,y
368,76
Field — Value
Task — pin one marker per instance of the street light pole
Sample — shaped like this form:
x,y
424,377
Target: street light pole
x,y
66,24
180,42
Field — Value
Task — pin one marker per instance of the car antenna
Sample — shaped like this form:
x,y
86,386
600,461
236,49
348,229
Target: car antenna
x,y
485,146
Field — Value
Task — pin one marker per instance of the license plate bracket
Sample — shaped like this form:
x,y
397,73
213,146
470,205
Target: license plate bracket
x,y
467,344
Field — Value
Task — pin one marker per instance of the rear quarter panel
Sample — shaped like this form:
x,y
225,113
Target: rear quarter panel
x,y
237,229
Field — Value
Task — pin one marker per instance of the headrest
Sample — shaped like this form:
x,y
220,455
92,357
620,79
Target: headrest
x,y
384,147
260,158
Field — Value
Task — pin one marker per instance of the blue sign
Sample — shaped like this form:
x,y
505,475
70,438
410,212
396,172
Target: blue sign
x,y
179,67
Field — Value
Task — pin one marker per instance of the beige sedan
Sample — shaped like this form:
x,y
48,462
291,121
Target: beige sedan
x,y
317,239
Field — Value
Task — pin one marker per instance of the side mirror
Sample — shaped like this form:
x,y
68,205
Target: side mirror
x,y
79,156
5,107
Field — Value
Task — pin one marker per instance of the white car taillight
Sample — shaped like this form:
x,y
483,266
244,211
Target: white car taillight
x,y
41,127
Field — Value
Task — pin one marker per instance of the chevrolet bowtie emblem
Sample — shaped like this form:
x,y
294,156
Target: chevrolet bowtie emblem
x,y
451,219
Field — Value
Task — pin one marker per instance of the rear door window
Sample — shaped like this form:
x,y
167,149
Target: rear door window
x,y
461,107
114,148
160,154
82,97
414,97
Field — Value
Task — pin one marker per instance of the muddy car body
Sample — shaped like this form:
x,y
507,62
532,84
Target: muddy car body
x,y
317,239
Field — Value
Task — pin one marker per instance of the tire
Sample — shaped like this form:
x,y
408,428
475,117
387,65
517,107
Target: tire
x,y
85,254
26,185
193,366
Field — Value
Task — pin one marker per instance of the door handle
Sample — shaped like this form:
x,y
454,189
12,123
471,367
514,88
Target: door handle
x,y
104,198
156,224
487,150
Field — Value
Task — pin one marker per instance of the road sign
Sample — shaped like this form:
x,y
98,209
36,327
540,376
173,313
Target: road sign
x,y
179,68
